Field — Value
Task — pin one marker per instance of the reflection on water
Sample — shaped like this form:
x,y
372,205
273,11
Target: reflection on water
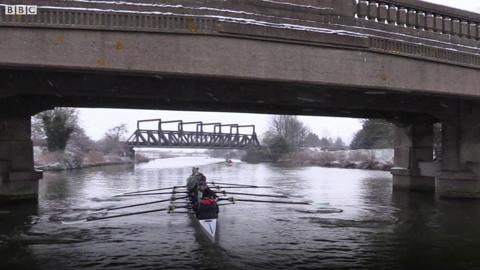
x,y
354,222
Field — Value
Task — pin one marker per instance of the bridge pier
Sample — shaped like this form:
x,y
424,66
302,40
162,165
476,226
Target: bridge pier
x,y
18,179
413,146
460,167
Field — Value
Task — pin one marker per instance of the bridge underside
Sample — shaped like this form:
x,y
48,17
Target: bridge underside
x,y
25,92
411,62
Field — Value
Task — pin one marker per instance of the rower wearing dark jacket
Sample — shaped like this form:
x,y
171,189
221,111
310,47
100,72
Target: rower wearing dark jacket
x,y
204,199
202,191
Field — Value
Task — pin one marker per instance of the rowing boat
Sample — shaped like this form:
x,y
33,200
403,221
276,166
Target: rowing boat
x,y
205,214
207,225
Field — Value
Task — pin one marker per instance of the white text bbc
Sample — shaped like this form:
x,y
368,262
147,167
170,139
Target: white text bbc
x,y
20,10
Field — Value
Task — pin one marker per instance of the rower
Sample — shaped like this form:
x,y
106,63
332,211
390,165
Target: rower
x,y
204,201
192,180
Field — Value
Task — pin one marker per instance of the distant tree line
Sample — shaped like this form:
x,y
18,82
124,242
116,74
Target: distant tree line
x,y
59,130
325,143
287,134
375,134
379,134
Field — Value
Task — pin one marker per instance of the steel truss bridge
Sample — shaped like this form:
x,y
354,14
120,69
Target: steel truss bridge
x,y
220,135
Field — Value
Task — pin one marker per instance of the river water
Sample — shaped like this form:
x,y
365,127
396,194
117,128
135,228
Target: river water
x,y
376,228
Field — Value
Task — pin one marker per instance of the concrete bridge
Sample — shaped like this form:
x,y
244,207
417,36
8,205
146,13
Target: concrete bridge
x,y
407,61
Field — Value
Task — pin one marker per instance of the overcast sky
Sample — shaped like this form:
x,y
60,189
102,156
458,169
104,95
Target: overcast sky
x,y
97,121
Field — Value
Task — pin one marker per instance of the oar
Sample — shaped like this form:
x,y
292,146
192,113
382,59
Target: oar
x,y
141,204
131,214
186,212
213,186
239,185
217,187
174,191
155,193
157,189
233,200
250,194
218,191
177,187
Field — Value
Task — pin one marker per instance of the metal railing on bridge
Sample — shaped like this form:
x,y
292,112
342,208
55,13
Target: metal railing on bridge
x,y
218,137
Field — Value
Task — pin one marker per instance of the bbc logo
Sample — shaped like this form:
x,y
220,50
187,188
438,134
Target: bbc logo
x,y
20,10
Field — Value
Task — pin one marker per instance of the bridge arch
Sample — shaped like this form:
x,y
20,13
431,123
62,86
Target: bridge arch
x,y
396,59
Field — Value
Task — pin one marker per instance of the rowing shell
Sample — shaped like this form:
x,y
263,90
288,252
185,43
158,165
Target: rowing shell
x,y
207,226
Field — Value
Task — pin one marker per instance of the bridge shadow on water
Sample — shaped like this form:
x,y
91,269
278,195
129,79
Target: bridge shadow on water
x,y
434,233
15,223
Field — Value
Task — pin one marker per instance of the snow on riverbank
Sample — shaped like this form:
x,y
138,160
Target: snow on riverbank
x,y
179,162
373,159
71,160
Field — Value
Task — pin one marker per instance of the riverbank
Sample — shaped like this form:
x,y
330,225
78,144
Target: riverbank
x,y
182,162
61,161
365,159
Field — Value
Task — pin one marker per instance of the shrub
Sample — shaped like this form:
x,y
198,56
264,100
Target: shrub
x,y
93,157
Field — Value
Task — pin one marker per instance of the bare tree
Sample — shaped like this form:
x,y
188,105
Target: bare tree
x,y
117,133
112,142
288,127
79,141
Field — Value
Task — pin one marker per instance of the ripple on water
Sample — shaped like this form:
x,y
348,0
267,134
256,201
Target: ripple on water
x,y
366,235
336,222
323,210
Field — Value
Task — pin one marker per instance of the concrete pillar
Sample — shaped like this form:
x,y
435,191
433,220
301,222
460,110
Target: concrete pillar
x,y
413,147
460,167
18,179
